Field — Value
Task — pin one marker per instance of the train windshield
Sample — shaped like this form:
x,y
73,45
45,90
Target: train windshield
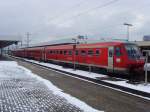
x,y
133,51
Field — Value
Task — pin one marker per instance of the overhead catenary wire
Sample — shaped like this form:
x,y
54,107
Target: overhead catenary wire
x,y
90,10
82,13
68,10
62,13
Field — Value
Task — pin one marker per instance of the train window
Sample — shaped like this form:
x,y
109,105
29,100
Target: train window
x,y
133,51
60,52
50,52
110,53
65,52
90,52
57,52
77,52
83,52
97,52
118,51
70,52
144,53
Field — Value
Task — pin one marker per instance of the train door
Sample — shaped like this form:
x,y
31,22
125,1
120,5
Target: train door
x,y
110,58
43,54
83,55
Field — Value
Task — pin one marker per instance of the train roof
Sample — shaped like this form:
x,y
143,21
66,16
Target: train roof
x,y
70,45
92,45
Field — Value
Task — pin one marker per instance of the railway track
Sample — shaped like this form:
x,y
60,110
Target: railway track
x,y
96,81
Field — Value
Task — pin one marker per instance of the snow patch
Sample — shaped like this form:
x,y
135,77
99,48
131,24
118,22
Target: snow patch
x,y
79,72
140,87
147,66
57,91
19,71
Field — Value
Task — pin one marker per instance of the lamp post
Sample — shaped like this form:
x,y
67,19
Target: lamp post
x,y
74,49
146,68
128,26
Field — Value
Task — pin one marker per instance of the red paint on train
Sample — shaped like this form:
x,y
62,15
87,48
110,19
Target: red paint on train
x,y
113,56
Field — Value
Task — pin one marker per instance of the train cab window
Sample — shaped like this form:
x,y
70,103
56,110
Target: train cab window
x,y
83,52
77,52
90,52
70,52
118,51
133,51
97,52
65,52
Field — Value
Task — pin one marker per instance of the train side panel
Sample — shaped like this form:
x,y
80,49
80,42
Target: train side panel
x,y
111,56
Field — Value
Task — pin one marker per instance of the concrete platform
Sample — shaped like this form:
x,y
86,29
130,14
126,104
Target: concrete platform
x,y
22,92
99,97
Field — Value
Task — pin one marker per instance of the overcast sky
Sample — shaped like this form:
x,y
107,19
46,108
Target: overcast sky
x,y
57,19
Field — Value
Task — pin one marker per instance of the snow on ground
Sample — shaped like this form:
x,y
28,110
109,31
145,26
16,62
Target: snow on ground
x,y
147,66
140,87
79,72
21,90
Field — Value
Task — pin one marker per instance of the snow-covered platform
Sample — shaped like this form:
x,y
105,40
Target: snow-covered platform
x,y
23,91
140,89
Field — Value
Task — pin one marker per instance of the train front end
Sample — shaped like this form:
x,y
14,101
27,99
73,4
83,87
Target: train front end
x,y
135,60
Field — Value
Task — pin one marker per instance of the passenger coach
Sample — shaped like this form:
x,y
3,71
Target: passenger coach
x,y
119,57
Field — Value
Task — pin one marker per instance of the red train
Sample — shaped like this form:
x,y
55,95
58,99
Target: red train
x,y
111,56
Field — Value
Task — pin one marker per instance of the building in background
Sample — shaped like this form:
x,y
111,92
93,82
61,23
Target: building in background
x,y
144,46
146,38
